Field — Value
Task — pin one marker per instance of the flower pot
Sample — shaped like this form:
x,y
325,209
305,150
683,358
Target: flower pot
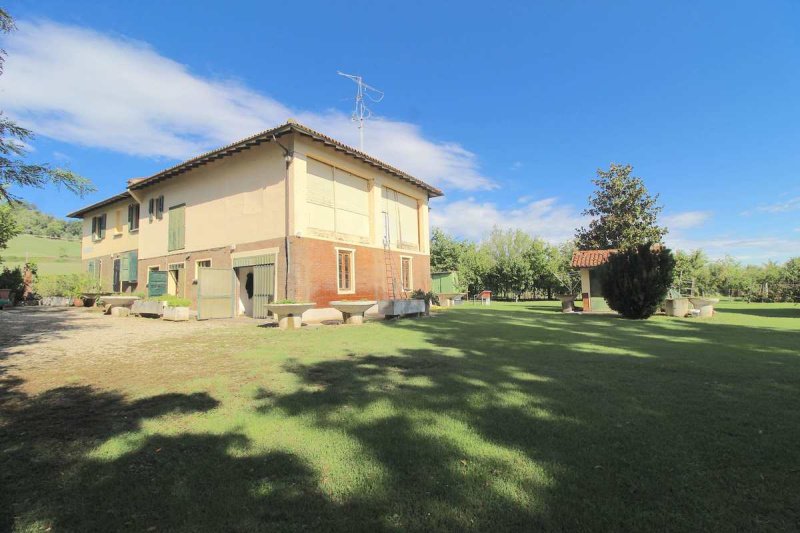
x,y
77,302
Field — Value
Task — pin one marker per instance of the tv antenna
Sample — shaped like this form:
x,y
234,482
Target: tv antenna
x,y
361,111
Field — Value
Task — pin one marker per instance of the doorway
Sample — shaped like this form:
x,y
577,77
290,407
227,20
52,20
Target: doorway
x,y
116,284
175,280
245,285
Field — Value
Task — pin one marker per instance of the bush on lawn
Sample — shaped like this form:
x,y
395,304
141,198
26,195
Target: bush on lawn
x,y
636,280
66,285
173,301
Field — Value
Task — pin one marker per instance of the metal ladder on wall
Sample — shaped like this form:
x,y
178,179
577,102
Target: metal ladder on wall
x,y
387,259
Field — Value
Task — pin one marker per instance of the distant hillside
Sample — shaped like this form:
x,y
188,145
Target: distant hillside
x,y
54,256
33,222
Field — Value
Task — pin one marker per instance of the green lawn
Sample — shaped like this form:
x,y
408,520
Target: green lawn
x,y
52,256
508,418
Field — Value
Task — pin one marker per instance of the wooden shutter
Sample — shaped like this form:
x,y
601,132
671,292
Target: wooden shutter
x,y
102,226
133,266
151,208
94,227
124,267
176,236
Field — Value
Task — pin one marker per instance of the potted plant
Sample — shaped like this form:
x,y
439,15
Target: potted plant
x,y
428,297
176,309
568,289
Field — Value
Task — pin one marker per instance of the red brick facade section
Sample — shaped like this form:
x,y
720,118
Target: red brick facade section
x,y
313,276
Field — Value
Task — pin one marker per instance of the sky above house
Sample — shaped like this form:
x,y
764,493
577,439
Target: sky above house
x,y
508,107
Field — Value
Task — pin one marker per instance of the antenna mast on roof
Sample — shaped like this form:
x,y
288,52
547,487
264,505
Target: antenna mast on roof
x,y
361,110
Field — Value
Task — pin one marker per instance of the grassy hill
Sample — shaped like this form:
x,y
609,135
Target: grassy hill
x,y
54,256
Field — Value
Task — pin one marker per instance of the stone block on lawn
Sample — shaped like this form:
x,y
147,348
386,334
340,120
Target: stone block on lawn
x,y
120,311
176,314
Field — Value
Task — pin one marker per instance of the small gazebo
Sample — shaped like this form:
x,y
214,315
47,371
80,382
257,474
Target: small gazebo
x,y
591,263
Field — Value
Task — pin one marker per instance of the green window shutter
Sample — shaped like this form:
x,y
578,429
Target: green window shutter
x,y
102,226
133,266
90,265
124,267
176,236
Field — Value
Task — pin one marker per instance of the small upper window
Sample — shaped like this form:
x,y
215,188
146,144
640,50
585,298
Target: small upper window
x,y
344,270
133,217
155,208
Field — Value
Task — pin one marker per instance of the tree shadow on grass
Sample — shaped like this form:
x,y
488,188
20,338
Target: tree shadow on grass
x,y
766,312
517,420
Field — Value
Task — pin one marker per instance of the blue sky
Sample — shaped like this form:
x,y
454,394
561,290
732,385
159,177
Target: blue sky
x,y
509,110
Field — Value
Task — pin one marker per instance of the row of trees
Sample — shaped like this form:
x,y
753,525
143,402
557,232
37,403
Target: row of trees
x,y
514,264
30,220
768,282
510,263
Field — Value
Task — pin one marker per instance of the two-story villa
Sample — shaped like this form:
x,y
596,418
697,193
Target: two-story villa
x,y
288,213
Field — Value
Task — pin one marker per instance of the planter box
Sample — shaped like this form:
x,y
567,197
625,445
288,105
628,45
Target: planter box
x,y
392,308
56,301
176,314
677,307
147,307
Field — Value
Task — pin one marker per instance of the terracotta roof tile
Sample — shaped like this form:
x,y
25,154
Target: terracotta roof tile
x,y
590,258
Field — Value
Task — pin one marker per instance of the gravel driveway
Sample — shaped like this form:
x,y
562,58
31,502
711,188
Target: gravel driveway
x,y
50,346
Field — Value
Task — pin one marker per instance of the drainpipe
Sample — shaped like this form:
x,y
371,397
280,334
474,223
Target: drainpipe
x,y
287,155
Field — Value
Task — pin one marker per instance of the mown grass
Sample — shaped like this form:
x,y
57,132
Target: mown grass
x,y
52,256
513,417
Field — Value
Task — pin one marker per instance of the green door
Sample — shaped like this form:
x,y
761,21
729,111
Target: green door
x,y
263,289
156,283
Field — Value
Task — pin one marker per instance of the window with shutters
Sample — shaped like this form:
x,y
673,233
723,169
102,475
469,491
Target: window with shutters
x,y
133,218
160,207
405,273
344,270
98,227
177,227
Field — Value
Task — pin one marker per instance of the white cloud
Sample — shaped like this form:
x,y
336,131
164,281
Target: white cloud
x,y
792,204
83,87
686,220
544,218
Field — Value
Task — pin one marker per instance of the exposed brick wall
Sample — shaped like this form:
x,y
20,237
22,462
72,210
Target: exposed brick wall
x,y
107,274
314,273
220,258
313,269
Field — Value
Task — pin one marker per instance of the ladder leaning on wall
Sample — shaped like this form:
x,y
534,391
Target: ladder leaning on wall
x,y
387,259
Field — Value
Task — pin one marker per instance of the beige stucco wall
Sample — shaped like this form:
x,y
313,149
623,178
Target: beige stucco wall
x,y
114,241
306,149
236,199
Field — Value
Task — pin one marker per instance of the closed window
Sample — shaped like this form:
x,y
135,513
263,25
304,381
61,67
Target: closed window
x,y
118,222
98,227
133,217
405,273
344,270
